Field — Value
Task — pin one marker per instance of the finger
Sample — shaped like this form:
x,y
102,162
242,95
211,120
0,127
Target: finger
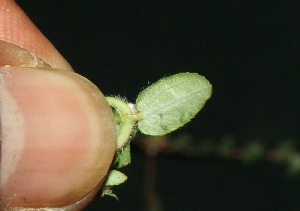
x,y
17,28
56,146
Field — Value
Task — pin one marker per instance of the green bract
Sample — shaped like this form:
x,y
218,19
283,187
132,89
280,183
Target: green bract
x,y
171,102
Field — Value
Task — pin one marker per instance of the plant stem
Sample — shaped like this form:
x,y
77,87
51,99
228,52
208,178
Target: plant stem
x,y
129,116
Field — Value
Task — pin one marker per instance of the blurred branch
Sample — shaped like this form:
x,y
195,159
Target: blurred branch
x,y
152,201
227,148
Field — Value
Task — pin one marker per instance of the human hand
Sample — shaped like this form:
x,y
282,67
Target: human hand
x,y
57,131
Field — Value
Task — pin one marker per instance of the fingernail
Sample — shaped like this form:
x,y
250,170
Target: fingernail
x,y
13,55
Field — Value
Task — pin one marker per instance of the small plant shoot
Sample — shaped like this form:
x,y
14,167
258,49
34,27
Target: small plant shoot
x,y
161,108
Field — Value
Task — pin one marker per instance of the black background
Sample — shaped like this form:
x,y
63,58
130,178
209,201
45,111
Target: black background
x,y
249,50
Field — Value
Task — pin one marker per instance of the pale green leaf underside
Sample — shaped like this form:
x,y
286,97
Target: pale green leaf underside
x,y
172,102
115,178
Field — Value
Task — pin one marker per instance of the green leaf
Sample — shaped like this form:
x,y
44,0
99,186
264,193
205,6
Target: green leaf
x,y
172,102
123,157
115,178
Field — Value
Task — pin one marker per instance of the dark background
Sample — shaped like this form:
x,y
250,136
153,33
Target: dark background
x,y
249,50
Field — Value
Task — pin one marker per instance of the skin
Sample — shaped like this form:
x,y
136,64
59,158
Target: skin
x,y
57,132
